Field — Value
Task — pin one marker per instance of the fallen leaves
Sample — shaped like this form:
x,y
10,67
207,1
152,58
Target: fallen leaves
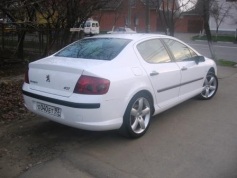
x,y
11,101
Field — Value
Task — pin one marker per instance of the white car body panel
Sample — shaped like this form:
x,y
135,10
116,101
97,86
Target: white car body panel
x,y
63,73
192,75
128,74
169,75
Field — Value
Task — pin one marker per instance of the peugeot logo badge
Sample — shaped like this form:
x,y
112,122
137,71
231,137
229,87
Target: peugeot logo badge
x,y
47,78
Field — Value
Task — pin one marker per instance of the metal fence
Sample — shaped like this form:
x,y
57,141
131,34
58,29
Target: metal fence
x,y
36,42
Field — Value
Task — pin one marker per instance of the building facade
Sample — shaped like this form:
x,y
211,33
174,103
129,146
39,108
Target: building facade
x,y
142,18
128,13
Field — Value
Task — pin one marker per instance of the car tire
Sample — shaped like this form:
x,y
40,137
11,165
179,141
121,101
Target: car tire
x,y
137,116
210,87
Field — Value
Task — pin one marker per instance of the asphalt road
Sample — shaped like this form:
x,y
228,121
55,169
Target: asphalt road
x,y
222,50
196,139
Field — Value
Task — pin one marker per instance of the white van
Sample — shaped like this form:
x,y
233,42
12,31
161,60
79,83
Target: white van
x,y
91,27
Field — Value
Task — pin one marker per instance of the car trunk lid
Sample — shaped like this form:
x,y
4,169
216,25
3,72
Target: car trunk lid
x,y
57,75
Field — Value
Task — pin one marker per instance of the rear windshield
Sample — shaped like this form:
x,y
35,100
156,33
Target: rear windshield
x,y
94,48
88,24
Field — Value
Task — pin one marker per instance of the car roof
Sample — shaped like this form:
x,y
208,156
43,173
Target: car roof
x,y
132,36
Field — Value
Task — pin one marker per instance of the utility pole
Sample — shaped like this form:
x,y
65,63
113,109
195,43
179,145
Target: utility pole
x,y
148,28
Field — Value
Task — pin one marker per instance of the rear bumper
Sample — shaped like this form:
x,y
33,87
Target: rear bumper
x,y
87,116
61,102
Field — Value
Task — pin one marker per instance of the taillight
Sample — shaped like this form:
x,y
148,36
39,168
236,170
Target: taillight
x,y
92,85
27,76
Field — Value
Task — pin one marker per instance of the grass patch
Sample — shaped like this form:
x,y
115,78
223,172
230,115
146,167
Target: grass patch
x,y
223,38
222,62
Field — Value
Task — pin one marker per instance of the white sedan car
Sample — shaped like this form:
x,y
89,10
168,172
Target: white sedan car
x,y
117,81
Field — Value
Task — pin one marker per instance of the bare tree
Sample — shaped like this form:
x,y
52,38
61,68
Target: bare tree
x,y
235,17
203,7
170,11
51,18
58,17
117,13
219,11
235,21
209,8
65,14
114,6
20,13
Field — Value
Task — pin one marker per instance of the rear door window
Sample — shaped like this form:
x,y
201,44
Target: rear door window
x,y
153,51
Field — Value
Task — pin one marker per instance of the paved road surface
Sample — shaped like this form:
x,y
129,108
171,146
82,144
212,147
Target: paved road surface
x,y
226,51
222,51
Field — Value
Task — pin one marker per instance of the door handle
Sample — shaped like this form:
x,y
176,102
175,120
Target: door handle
x,y
184,68
153,73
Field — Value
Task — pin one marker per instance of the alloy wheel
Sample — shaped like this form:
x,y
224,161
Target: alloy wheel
x,y
210,86
140,115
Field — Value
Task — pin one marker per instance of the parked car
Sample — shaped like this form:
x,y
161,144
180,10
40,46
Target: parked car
x,y
92,27
117,81
121,30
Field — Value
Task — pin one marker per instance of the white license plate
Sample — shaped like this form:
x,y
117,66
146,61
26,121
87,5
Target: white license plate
x,y
51,110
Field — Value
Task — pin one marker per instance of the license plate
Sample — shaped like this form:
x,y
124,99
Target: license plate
x,y
51,110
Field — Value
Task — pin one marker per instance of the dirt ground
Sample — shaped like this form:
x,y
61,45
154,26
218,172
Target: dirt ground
x,y
25,139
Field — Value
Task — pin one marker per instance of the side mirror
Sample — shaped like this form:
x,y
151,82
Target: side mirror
x,y
199,59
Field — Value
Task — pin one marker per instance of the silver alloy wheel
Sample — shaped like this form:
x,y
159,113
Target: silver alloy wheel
x,y
210,86
140,115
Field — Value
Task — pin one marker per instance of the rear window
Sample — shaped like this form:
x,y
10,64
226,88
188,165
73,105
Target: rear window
x,y
94,48
88,24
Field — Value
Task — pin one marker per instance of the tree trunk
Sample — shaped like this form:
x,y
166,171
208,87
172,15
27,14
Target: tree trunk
x,y
209,40
171,27
206,15
3,35
207,29
217,31
20,46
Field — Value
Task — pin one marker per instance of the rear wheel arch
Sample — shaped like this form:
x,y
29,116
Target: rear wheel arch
x,y
147,93
136,118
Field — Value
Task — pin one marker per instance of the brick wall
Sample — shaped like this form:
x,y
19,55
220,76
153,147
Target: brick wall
x,y
119,18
